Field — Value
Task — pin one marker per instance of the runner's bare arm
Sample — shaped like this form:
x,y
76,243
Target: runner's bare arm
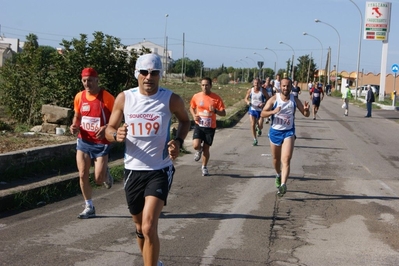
x,y
114,130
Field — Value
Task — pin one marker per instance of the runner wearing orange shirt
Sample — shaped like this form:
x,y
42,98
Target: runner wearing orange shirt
x,y
92,108
204,106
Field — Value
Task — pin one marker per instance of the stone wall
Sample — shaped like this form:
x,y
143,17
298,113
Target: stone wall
x,y
21,161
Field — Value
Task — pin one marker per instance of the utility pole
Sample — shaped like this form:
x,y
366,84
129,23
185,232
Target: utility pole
x,y
182,62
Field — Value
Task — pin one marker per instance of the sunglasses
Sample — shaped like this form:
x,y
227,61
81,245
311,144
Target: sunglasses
x,y
152,72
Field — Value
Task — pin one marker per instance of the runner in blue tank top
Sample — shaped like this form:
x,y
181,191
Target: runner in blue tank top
x,y
317,95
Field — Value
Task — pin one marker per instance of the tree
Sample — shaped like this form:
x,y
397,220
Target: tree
x,y
191,68
305,67
223,79
40,75
31,41
26,82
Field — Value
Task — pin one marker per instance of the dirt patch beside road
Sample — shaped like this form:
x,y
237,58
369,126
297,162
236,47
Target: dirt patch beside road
x,y
10,141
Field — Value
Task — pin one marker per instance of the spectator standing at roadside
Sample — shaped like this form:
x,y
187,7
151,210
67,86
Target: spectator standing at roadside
x,y
256,99
92,108
346,95
369,100
147,111
281,107
317,96
204,106
296,90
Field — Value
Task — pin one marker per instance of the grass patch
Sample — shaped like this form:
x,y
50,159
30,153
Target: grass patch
x,y
357,102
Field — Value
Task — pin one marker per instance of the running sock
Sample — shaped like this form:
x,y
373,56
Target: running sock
x,y
204,166
89,202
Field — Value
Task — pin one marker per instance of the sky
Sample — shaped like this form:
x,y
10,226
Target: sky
x,y
217,32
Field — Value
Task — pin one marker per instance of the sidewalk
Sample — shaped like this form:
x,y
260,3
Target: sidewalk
x,y
384,107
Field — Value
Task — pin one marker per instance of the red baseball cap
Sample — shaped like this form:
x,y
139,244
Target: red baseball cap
x,y
89,72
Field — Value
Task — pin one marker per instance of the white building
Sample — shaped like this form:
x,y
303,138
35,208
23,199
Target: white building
x,y
9,46
5,52
15,44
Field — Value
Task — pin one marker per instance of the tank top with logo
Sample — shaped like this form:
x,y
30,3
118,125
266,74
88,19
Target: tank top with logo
x,y
284,120
148,119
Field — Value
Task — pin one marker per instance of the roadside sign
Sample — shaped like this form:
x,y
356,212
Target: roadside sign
x,y
395,68
376,23
260,64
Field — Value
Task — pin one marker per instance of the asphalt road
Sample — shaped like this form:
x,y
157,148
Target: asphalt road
x,y
341,207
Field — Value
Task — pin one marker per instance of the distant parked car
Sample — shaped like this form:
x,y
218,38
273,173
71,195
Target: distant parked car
x,y
362,91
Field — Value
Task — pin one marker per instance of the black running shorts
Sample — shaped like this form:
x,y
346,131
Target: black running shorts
x,y
140,184
204,133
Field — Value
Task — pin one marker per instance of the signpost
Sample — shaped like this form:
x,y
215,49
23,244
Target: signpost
x,y
395,69
260,65
376,24
376,28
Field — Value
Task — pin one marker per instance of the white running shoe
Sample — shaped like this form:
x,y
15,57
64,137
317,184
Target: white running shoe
x,y
198,155
205,171
88,212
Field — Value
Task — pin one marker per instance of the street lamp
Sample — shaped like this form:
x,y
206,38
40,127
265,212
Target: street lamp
x,y
321,59
260,56
248,67
275,62
339,44
359,48
254,63
165,53
251,59
292,63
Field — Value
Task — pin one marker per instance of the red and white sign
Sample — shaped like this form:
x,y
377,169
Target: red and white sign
x,y
376,22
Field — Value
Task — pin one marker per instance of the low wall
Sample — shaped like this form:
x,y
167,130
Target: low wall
x,y
15,164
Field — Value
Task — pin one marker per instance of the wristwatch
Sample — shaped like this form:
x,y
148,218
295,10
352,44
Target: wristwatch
x,y
114,135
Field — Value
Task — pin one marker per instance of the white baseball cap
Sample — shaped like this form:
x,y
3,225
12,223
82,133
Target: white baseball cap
x,y
148,62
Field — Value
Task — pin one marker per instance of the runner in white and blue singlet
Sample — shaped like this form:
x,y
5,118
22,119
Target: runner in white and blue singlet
x,y
256,98
281,107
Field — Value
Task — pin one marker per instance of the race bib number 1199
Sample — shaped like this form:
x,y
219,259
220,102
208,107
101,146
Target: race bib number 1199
x,y
145,125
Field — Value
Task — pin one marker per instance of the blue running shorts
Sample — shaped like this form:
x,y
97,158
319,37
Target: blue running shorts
x,y
94,150
277,137
254,113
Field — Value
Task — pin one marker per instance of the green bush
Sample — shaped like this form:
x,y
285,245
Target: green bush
x,y
223,79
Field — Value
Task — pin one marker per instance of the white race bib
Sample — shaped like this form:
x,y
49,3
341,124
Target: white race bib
x,y
90,124
145,124
282,119
205,121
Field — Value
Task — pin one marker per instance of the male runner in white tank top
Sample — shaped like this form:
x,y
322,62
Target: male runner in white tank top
x,y
149,151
